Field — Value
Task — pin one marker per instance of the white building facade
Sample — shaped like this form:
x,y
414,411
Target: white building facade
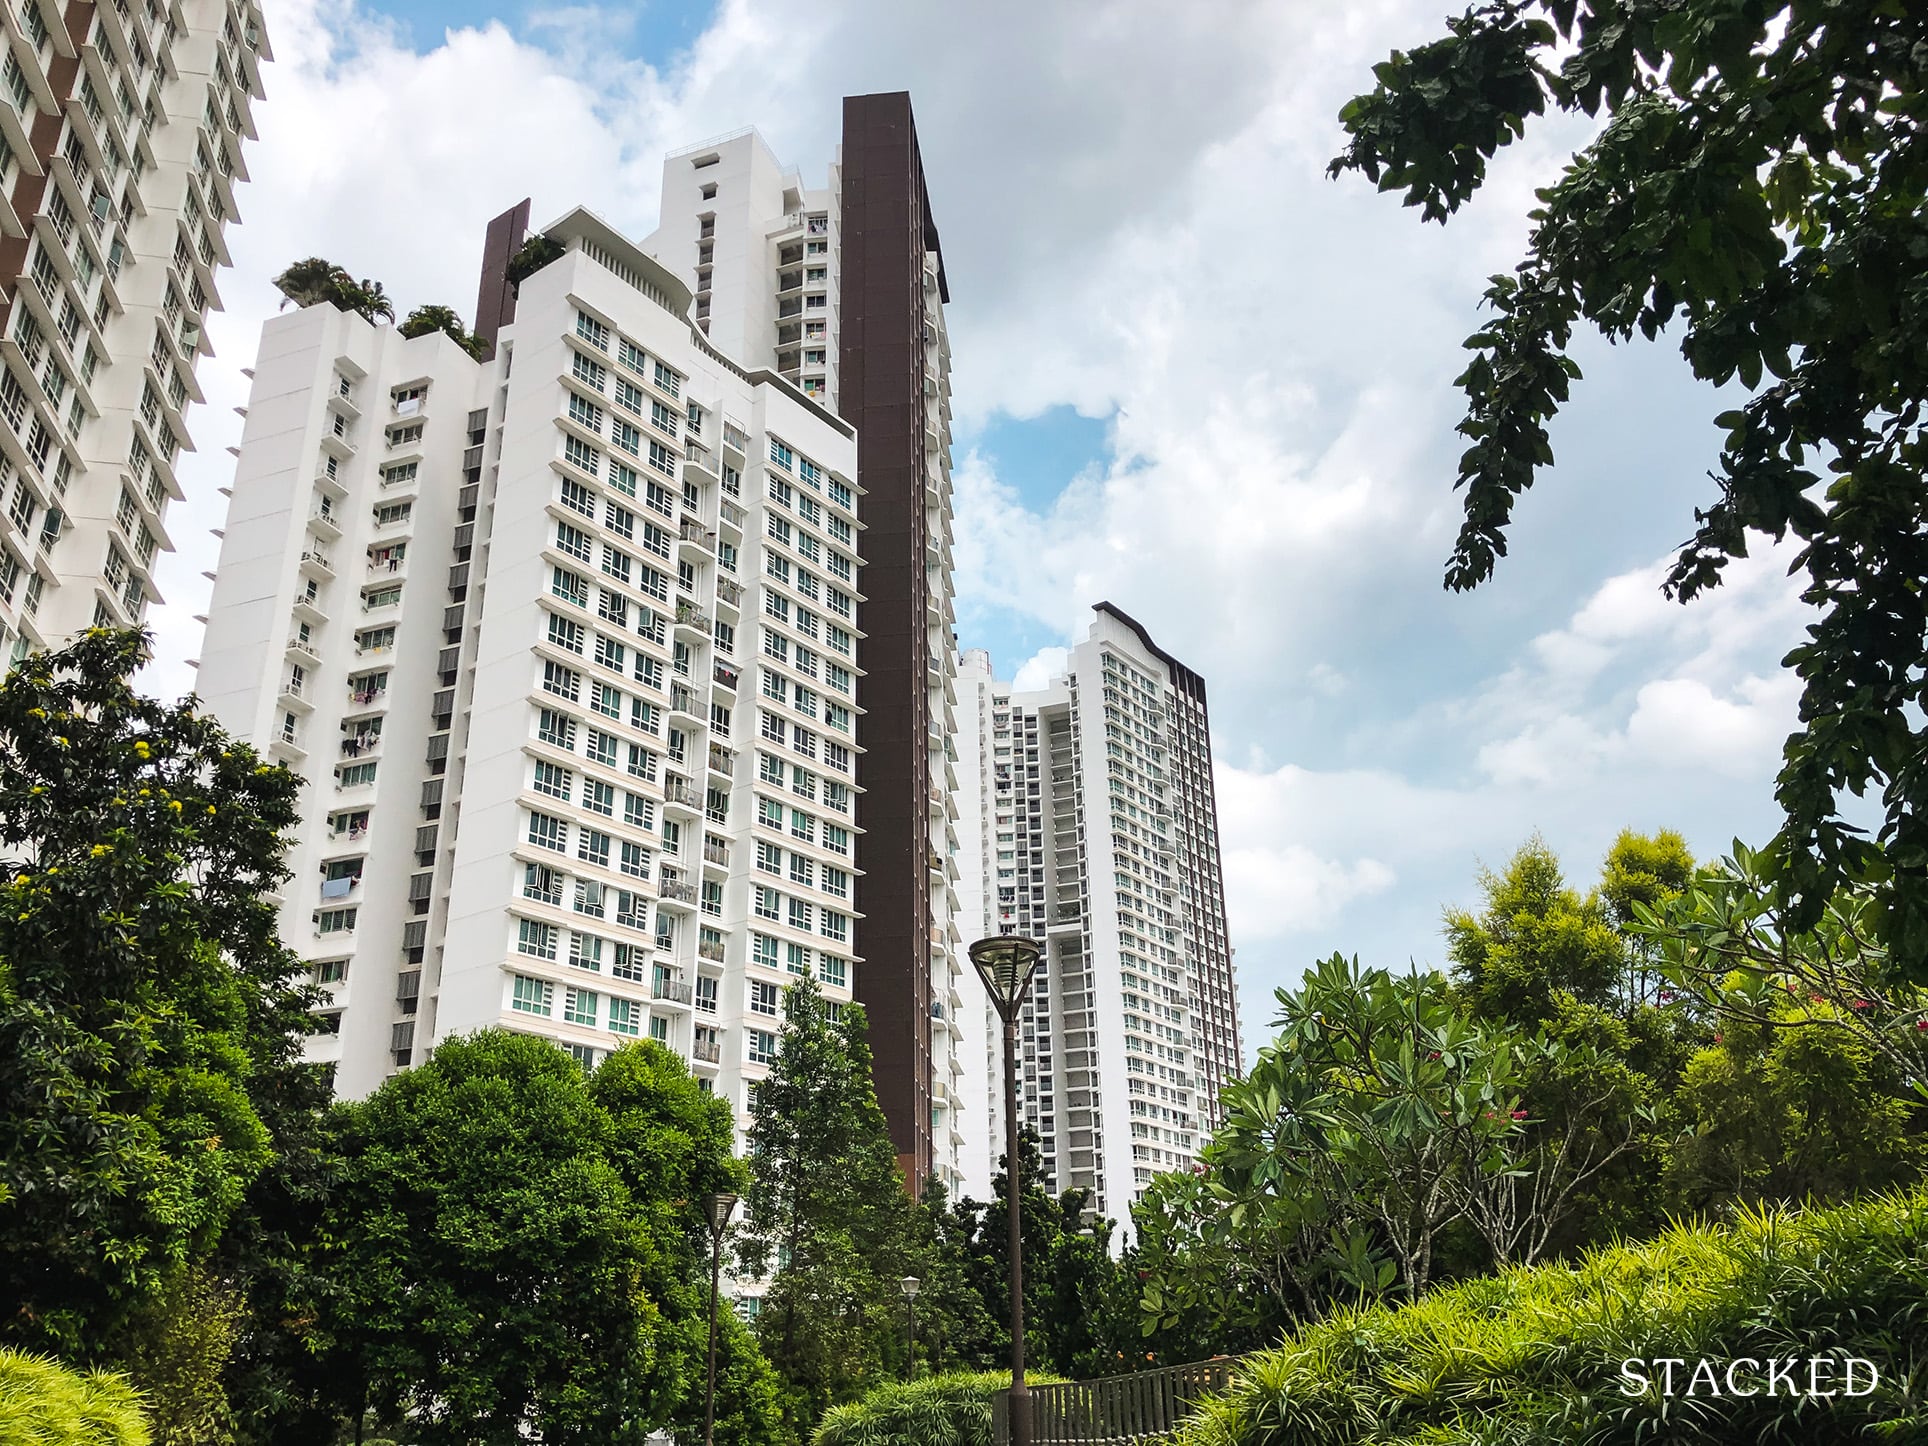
x,y
1090,825
121,135
767,263
564,645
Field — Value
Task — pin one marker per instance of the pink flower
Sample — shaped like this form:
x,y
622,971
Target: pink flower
x,y
1519,1114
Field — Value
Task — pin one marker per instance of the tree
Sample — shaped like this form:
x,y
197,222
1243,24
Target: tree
x,y
1642,872
315,280
1758,178
144,996
530,257
309,282
828,1218
425,320
494,1276
1535,941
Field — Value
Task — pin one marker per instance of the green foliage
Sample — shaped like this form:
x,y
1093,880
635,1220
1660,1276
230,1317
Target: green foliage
x,y
749,1397
827,1212
1758,179
947,1410
426,320
1534,1355
43,1403
534,254
149,1017
492,1272
1535,941
315,280
176,1355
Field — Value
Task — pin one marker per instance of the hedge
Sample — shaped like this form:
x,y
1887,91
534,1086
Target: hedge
x,y
1536,1355
947,1410
43,1403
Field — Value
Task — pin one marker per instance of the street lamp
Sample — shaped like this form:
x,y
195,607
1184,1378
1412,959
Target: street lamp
x,y
1005,964
718,1207
911,1285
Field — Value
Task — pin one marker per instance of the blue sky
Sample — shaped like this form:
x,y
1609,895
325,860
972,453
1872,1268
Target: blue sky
x,y
1193,376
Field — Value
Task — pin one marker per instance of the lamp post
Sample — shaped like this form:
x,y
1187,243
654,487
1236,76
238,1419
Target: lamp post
x,y
718,1207
1005,964
911,1285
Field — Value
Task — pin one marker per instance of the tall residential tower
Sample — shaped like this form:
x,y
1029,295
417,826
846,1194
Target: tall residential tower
x,y
121,135
1091,826
564,645
841,290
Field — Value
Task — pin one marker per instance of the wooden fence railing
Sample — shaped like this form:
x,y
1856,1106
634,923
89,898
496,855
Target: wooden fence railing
x,y
1115,1410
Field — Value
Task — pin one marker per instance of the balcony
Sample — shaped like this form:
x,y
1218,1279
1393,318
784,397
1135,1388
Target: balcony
x,y
673,990
365,742
677,892
326,521
682,700
316,561
725,675
722,759
677,790
304,651
707,1051
708,949
729,593
688,615
715,852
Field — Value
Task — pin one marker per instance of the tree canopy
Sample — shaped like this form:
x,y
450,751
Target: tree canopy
x,y
1759,181
144,996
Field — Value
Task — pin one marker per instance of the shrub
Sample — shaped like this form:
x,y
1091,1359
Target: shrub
x,y
42,1403
947,1410
1534,1355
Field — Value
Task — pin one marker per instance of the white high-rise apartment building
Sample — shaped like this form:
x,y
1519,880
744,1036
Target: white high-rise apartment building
x,y
564,646
1090,826
841,289
121,135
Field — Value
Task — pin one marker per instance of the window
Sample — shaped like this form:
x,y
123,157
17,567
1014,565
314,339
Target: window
x,y
355,775
803,782
579,453
837,840
663,419
776,646
556,728
797,958
836,882
802,825
625,437
592,331
570,588
837,796
552,780
331,971
586,950
642,763
634,861
763,950
573,541
593,847
662,458
705,994
763,1047
769,903
624,1016
546,832
536,939
781,454
592,374
578,498
668,380
563,682
579,1006
602,748
769,858
802,914
565,634
599,798
542,884
773,727
802,871
531,996
765,997
770,769
335,921
831,970
835,926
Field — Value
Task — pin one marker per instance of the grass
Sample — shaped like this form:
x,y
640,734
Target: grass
x,y
43,1403
1534,1355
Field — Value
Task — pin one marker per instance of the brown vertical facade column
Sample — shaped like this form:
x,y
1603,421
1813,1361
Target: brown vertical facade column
x,y
494,297
885,232
63,76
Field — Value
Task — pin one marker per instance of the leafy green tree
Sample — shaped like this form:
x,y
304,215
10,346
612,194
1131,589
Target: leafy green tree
x,y
176,1355
425,320
955,1328
1535,941
310,281
494,1276
1757,179
828,1217
1642,871
530,257
143,993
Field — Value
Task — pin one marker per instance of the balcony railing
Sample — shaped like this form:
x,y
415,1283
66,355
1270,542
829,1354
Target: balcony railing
x,y
707,1050
673,990
678,790
722,759
716,853
709,950
678,893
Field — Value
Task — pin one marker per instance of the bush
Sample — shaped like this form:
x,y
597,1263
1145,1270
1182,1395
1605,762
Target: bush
x,y
42,1403
947,1410
1534,1355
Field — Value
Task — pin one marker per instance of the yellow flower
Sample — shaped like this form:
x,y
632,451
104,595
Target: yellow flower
x,y
210,808
145,792
175,805
143,749
100,849
36,712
